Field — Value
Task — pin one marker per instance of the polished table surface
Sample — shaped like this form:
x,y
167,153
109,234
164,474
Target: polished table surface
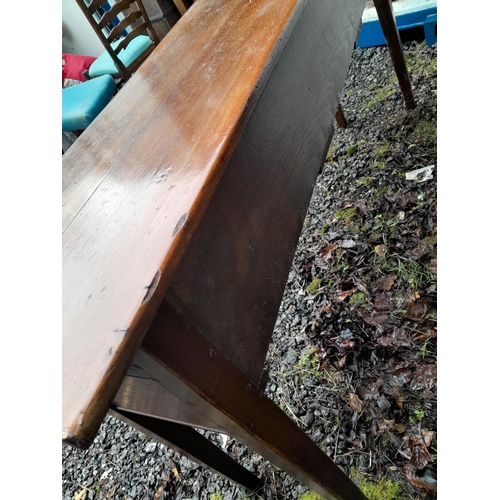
x,y
138,180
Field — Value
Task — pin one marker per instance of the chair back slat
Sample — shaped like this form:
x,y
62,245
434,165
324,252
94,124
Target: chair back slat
x,y
111,14
95,4
116,18
124,24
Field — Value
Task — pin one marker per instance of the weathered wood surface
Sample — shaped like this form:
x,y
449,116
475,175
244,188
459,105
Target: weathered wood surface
x,y
251,83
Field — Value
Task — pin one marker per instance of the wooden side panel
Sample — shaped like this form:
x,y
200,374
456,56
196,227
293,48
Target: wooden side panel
x,y
146,397
231,280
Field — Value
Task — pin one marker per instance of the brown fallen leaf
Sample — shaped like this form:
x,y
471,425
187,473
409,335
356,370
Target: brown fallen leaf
x,y
424,378
427,435
382,304
411,474
379,249
327,251
416,311
159,492
343,295
340,364
384,425
386,282
400,428
419,453
354,402
433,266
376,319
399,397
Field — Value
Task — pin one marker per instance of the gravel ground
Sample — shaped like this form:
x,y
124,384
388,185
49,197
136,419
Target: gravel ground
x,y
125,464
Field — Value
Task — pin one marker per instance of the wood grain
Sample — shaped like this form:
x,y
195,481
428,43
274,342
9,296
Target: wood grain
x,y
232,278
138,180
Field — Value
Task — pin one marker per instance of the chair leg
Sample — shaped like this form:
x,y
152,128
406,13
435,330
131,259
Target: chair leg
x,y
388,24
193,445
175,352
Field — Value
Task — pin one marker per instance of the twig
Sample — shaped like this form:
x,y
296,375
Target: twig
x,y
297,419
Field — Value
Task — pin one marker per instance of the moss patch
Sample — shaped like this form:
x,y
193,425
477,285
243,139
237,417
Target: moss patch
x,y
310,495
314,285
346,214
384,489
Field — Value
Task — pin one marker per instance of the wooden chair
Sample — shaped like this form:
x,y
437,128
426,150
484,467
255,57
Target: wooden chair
x,y
125,31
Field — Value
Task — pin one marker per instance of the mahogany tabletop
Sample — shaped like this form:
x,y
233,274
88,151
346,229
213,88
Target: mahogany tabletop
x,y
137,182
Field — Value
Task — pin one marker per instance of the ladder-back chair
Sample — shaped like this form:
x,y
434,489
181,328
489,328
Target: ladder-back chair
x,y
126,33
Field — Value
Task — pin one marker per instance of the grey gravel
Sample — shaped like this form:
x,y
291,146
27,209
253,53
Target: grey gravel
x,y
124,464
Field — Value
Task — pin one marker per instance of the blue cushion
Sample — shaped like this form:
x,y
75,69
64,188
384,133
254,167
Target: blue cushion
x,y
104,65
82,103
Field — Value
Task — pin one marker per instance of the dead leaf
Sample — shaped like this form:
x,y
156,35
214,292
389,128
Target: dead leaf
x,y
159,492
376,319
416,311
427,436
419,453
340,364
411,474
379,249
424,378
326,252
397,338
370,392
386,282
354,402
433,266
384,425
343,295
382,303
400,377
400,428
81,495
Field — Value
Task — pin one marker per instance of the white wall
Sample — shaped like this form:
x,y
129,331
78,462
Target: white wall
x,y
79,37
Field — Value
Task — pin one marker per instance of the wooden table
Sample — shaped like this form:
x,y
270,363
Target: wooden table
x,y
182,206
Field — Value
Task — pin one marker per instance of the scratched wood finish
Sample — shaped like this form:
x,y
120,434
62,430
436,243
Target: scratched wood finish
x,y
231,280
180,358
138,180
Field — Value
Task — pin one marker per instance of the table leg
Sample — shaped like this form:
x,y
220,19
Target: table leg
x,y
176,355
191,444
390,30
